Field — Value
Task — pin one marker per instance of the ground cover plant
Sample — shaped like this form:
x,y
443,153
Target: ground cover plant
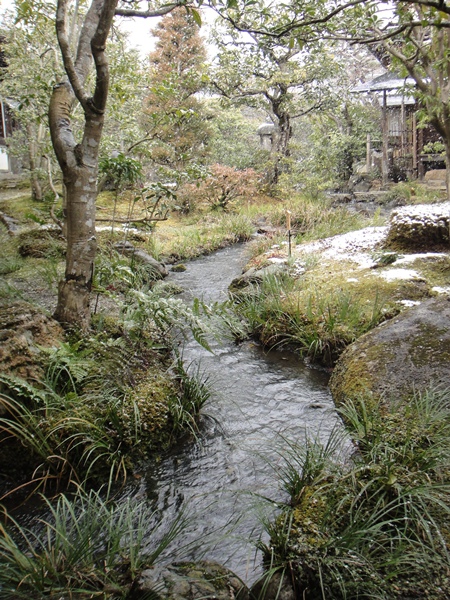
x,y
373,525
317,320
87,547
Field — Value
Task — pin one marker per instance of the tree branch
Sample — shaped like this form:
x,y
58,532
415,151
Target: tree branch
x,y
146,14
69,66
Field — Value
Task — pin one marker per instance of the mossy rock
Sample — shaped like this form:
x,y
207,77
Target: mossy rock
x,y
178,268
254,275
407,354
419,226
42,243
190,581
24,331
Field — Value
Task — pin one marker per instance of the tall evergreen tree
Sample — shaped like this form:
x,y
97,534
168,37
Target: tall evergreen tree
x,y
175,126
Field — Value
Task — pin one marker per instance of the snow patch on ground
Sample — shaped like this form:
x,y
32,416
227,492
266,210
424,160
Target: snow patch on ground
x,y
347,243
408,258
391,274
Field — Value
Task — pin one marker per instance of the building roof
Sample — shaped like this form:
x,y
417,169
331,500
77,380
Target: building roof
x,y
388,81
392,84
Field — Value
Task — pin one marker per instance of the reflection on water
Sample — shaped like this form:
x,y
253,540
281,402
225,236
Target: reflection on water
x,y
258,400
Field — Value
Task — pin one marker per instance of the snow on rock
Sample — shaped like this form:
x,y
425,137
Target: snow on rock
x,y
408,258
419,225
441,290
409,303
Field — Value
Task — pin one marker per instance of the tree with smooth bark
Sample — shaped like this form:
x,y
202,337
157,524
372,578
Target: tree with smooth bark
x,y
78,159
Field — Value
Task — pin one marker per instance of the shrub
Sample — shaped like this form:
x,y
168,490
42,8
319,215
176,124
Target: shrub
x,y
222,186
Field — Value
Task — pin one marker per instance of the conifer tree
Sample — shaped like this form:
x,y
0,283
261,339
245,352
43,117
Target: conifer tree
x,y
173,117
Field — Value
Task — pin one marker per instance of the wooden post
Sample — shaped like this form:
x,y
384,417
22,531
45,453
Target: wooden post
x,y
368,153
385,133
288,227
414,141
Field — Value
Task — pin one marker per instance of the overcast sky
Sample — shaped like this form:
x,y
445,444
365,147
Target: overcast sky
x,y
139,29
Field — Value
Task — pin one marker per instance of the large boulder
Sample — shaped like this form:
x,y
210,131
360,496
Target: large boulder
x,y
409,353
419,226
204,580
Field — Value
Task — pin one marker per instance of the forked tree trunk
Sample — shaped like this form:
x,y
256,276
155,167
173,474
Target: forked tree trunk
x,y
79,161
79,164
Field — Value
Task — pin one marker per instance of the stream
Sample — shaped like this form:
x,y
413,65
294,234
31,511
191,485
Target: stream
x,y
259,399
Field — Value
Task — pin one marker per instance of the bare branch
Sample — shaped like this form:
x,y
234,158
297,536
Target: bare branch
x,y
98,51
127,221
286,29
147,14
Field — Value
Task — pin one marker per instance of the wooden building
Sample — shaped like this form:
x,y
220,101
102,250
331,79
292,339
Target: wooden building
x,y
400,152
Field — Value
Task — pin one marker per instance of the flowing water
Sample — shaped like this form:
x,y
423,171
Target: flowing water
x,y
258,401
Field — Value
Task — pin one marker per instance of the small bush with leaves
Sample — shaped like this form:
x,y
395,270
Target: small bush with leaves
x,y
223,186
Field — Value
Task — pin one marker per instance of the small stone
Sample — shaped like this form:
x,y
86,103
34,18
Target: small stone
x,y
179,268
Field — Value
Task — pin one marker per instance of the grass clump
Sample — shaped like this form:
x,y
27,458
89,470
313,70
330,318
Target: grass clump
x,y
37,243
88,547
375,527
201,234
311,218
306,314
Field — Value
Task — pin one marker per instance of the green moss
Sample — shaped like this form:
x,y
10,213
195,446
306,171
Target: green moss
x,y
431,341
352,378
435,269
151,398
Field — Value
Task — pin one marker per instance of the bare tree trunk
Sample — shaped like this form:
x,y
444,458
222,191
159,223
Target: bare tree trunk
x,y
36,188
447,167
282,140
75,288
79,166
